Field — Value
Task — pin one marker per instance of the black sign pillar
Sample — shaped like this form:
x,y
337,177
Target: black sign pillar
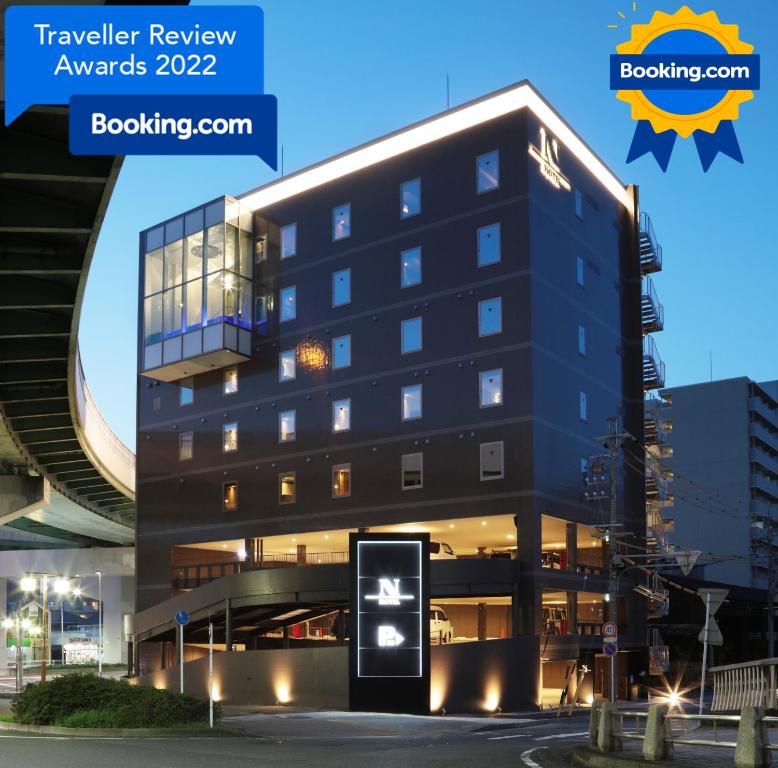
x,y
389,645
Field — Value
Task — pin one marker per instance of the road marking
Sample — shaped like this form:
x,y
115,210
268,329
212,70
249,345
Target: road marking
x,y
527,760
562,736
514,736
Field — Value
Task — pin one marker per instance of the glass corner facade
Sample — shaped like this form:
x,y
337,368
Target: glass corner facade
x,y
198,295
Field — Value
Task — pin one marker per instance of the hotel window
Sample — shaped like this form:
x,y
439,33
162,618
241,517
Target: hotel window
x,y
490,317
186,391
287,488
341,287
410,198
230,386
341,481
287,366
410,267
341,222
582,412
341,415
411,402
230,433
230,497
288,240
410,335
286,426
488,171
261,306
491,388
492,465
341,352
489,245
579,270
578,204
581,340
412,470
185,446
288,299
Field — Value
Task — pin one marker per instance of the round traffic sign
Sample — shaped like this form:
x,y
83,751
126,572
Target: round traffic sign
x,y
610,649
182,617
609,629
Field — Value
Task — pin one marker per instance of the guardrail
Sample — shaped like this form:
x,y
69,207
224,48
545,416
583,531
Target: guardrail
x,y
114,460
751,684
752,746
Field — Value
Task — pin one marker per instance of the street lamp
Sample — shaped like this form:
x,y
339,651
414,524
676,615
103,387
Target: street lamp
x,y
99,623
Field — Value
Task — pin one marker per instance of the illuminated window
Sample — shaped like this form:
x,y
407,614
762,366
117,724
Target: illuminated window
x,y
174,263
492,467
341,222
287,488
578,204
288,240
488,171
491,388
341,415
185,446
410,198
230,497
230,433
582,407
186,391
411,402
230,386
288,300
579,270
410,335
287,367
341,352
152,272
341,287
412,470
490,317
341,481
581,340
489,245
286,426
410,267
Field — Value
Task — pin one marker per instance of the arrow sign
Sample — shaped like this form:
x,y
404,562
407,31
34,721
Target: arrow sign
x,y
717,597
182,617
714,633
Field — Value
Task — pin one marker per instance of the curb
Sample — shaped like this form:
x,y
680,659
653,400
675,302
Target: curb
x,y
592,758
144,733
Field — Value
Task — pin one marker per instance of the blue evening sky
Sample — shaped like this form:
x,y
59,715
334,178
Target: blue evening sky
x,y
347,72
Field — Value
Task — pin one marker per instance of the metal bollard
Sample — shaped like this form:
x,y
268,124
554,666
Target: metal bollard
x,y
752,738
655,747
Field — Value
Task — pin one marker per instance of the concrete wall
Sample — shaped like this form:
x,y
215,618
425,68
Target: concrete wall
x,y
303,677
465,677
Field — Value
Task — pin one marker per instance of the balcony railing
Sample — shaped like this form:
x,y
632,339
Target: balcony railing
x,y
191,575
653,367
650,250
652,311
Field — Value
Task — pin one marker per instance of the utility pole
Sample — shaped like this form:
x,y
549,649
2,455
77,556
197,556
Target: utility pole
x,y
612,442
773,560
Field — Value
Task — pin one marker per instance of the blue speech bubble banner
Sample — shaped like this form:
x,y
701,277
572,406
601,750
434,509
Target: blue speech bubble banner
x,y
172,125
54,52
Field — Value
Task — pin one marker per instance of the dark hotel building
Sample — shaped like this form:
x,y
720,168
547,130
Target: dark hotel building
x,y
425,333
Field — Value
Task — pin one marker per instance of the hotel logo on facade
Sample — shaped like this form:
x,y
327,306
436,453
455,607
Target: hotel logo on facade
x,y
547,157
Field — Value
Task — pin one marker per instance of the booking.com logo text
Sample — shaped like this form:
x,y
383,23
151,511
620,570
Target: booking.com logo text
x,y
182,128
680,71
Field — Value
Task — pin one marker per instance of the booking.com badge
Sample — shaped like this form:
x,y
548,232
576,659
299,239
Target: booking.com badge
x,y
684,74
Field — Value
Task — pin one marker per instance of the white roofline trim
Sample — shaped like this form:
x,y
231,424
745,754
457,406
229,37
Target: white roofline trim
x,y
435,128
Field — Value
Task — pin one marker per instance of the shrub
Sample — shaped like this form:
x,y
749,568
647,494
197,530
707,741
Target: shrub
x,y
82,698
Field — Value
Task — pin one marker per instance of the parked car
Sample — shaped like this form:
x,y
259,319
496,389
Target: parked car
x,y
441,551
441,630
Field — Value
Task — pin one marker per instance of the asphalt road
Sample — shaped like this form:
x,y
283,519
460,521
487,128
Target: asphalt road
x,y
317,740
